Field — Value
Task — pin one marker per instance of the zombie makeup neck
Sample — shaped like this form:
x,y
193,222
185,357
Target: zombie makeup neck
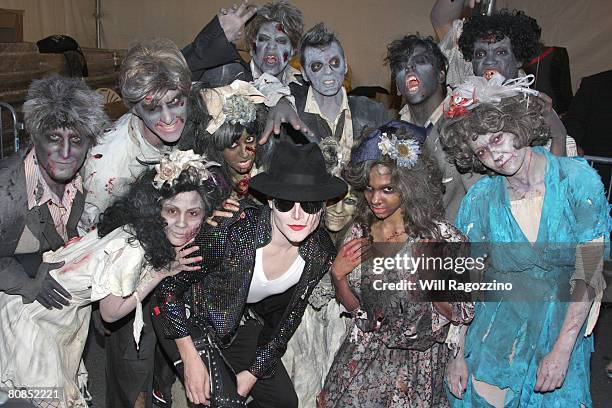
x,y
325,68
493,54
60,153
183,214
240,156
418,79
272,49
163,119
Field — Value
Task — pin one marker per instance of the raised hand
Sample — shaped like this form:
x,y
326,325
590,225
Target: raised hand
x,y
283,112
183,262
232,21
227,210
350,256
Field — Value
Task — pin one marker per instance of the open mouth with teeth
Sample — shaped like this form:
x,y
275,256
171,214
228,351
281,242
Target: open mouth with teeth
x,y
412,83
270,59
329,82
488,73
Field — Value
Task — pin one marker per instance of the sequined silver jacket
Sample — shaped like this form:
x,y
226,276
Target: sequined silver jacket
x,y
217,293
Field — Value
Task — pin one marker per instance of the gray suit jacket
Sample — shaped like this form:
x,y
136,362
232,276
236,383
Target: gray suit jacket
x,y
26,234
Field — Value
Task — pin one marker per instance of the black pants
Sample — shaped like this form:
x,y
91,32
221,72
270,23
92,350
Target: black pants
x,y
274,392
130,371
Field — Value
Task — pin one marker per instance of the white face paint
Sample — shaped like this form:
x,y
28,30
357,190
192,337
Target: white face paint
x,y
497,152
183,214
165,120
272,49
325,68
296,224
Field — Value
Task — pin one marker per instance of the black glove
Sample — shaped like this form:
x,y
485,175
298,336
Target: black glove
x,y
49,292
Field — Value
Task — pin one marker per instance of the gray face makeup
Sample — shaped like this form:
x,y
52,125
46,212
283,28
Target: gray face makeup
x,y
419,79
492,57
325,68
166,119
272,49
60,154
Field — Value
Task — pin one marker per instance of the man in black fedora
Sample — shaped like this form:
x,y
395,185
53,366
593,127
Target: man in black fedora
x,y
258,270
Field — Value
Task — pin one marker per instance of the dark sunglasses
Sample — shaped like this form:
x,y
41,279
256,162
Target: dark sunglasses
x,y
310,207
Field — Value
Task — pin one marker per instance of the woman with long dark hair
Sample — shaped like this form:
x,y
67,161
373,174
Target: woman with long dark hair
x,y
141,239
393,356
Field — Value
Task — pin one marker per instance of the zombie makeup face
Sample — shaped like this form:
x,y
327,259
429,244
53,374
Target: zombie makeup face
x,y
183,214
325,68
60,154
163,121
241,154
494,55
296,224
497,152
419,78
272,49
381,194
340,213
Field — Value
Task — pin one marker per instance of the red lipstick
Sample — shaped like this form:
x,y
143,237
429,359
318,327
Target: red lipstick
x,y
297,227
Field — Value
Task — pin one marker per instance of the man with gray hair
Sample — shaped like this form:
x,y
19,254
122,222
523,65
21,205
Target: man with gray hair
x,y
41,192
155,82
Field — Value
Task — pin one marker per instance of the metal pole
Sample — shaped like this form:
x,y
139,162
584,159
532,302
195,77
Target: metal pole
x,y
98,16
17,126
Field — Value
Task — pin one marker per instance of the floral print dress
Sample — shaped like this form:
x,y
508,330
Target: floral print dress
x,y
395,356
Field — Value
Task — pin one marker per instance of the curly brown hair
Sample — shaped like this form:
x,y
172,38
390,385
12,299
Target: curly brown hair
x,y
520,115
420,187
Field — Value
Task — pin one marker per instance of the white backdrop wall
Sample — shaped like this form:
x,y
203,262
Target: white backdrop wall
x,y
365,26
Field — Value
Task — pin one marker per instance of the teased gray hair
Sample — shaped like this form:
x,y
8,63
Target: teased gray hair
x,y
153,67
320,37
281,12
58,102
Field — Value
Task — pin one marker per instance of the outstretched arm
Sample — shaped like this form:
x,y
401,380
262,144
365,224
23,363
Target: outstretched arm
x,y
444,12
113,308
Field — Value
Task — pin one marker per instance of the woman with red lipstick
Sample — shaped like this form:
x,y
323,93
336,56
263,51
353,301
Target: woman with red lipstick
x,y
394,356
545,221
141,239
258,271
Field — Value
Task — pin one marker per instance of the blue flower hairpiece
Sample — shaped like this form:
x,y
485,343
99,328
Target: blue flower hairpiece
x,y
383,141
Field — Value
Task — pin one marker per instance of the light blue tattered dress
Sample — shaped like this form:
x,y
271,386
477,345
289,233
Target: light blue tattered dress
x,y
512,331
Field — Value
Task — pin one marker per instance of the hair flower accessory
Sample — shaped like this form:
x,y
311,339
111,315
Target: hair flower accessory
x,y
476,90
405,152
234,103
173,164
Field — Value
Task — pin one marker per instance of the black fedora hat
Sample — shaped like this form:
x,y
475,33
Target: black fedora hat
x,y
297,173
